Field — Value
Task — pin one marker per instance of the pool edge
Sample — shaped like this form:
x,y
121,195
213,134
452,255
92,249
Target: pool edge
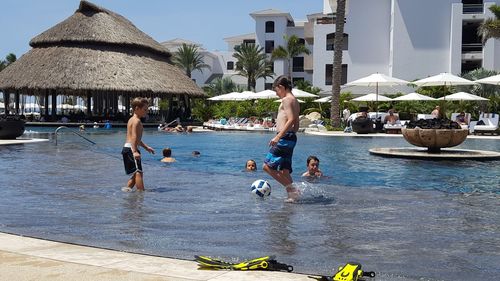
x,y
46,260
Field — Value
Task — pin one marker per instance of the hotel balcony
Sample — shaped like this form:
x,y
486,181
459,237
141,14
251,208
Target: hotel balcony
x,y
309,32
472,51
473,8
308,63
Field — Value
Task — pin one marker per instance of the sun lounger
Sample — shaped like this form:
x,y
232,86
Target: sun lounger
x,y
393,128
425,116
467,119
490,126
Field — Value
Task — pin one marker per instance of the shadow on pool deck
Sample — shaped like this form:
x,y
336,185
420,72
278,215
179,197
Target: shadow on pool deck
x,y
23,258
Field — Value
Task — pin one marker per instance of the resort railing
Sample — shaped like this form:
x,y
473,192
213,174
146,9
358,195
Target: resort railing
x,y
473,9
72,131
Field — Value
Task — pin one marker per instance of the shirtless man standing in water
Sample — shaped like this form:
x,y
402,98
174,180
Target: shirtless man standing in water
x,y
278,162
130,152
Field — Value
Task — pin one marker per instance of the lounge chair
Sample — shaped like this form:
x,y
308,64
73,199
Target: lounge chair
x,y
425,116
393,128
467,118
490,126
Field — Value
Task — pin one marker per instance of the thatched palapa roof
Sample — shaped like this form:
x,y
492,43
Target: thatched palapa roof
x,y
96,50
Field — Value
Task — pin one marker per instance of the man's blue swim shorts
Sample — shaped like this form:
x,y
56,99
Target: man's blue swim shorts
x,y
279,156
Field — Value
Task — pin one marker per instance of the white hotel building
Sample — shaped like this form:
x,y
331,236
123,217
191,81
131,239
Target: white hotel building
x,y
408,39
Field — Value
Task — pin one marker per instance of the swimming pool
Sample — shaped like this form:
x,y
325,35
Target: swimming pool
x,y
405,219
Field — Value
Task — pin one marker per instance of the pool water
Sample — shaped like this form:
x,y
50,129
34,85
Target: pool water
x,y
405,219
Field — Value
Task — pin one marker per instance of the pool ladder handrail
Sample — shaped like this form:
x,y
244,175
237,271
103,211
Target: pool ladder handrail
x,y
73,131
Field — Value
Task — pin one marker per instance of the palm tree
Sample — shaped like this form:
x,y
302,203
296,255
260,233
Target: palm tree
x,y
488,91
222,86
294,48
252,63
337,63
490,28
189,59
10,58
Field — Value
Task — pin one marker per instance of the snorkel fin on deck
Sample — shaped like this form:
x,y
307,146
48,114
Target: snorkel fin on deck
x,y
349,272
262,263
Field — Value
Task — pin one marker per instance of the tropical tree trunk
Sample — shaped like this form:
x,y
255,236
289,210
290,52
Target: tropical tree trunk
x,y
290,61
337,63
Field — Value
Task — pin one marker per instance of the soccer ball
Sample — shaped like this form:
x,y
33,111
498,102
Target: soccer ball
x,y
261,188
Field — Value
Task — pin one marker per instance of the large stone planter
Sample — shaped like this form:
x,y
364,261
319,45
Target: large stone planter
x,y
435,139
362,126
11,127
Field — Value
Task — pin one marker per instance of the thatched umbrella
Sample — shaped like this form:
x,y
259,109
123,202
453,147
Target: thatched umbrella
x,y
96,53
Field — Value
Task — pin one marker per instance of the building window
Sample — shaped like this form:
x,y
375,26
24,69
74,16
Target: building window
x,y
268,86
329,74
330,42
248,42
298,64
269,46
471,65
269,26
230,65
473,6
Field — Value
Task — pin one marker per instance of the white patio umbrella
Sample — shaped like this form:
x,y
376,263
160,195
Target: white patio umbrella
x,y
494,80
266,94
64,106
460,96
413,97
80,107
302,94
443,79
377,79
233,96
2,105
299,100
31,107
323,99
372,97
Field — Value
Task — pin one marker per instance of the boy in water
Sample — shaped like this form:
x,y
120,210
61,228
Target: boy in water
x,y
167,155
130,151
278,162
251,166
312,167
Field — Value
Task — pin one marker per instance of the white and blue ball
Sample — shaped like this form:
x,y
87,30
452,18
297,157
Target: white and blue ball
x,y
261,188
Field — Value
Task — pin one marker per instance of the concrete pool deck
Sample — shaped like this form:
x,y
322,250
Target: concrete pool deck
x,y
24,258
21,141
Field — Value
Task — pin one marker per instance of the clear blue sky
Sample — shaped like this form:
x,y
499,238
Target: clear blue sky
x,y
203,21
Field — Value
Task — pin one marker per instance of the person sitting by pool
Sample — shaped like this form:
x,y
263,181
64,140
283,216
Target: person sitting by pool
x,y
82,128
361,115
251,166
436,112
179,128
392,118
167,156
461,119
312,167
